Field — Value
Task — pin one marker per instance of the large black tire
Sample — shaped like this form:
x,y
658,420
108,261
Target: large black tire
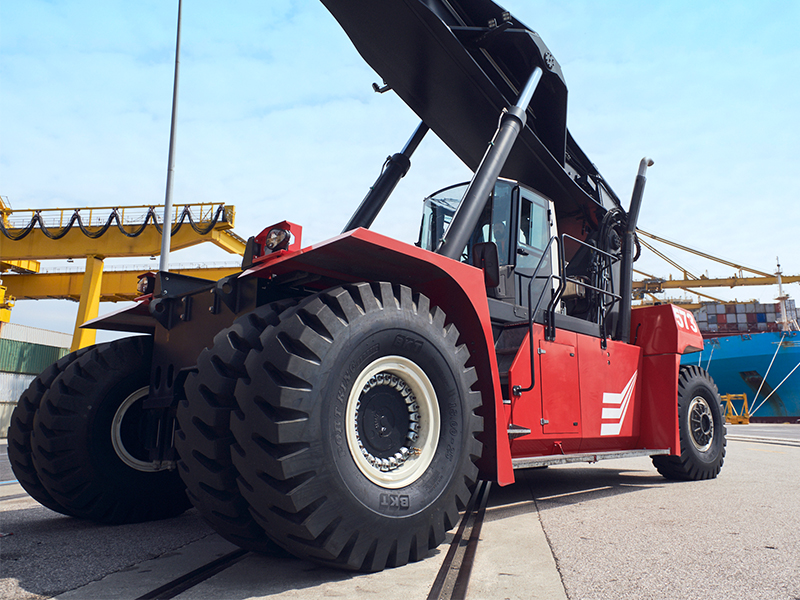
x,y
702,429
357,427
204,440
93,472
19,433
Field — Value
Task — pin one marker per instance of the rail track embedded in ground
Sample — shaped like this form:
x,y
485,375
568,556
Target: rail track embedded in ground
x,y
451,581
453,578
193,578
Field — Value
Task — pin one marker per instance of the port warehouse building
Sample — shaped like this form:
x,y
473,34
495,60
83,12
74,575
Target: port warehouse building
x,y
24,353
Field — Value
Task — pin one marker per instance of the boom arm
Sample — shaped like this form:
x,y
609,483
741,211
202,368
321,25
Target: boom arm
x,y
458,64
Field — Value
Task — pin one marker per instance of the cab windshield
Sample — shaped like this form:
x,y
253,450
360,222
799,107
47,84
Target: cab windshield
x,y
493,225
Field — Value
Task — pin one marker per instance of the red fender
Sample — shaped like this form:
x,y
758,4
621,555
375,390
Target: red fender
x,y
363,255
663,332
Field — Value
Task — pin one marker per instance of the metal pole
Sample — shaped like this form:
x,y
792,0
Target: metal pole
x,y
166,232
512,122
394,170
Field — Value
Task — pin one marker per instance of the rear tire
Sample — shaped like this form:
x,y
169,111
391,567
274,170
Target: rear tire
x,y
86,441
21,426
702,429
340,369
204,440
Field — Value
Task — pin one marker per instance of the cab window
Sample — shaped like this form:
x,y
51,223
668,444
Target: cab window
x,y
534,230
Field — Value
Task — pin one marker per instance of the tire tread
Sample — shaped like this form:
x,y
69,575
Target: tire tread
x,y
687,466
276,445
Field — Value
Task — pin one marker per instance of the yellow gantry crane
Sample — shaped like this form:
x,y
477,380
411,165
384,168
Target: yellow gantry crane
x,y
651,285
30,236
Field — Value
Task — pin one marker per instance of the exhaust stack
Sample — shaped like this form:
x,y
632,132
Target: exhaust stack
x,y
628,249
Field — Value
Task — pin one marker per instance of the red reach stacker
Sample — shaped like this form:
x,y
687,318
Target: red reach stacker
x,y
341,400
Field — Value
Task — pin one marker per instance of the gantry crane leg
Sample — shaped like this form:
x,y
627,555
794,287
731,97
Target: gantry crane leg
x,y
89,305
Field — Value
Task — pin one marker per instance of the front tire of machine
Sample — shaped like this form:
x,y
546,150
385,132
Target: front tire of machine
x,y
86,439
358,427
702,429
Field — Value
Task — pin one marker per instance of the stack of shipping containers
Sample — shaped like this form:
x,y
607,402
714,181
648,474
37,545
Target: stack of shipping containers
x,y
24,353
718,319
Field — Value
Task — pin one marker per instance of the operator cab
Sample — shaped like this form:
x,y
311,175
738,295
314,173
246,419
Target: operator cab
x,y
520,223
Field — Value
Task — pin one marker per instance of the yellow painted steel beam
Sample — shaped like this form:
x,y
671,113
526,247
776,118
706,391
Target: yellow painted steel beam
x,y
667,259
687,304
702,295
731,282
20,266
6,304
37,246
89,306
698,253
116,286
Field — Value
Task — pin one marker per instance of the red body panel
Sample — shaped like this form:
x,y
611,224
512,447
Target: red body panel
x,y
588,398
610,394
561,399
665,329
664,333
660,406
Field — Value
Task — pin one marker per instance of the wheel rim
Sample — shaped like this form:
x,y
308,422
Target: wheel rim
x,y
126,434
701,423
392,422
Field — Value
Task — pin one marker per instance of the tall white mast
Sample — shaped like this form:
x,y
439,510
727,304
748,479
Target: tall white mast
x,y
785,322
166,233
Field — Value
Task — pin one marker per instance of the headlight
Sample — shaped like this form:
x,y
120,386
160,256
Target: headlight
x,y
277,239
146,284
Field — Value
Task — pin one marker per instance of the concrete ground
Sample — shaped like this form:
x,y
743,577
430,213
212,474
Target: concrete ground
x,y
615,529
618,530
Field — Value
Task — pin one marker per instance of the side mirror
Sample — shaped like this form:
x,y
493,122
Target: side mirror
x,y
484,256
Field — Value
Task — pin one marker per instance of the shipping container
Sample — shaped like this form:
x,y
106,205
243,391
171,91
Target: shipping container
x,y
27,358
11,387
35,335
24,353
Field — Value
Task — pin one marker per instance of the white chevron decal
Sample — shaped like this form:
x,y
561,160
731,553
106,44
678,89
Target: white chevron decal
x,y
615,406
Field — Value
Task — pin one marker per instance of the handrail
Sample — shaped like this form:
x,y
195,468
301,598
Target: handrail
x,y
55,232
550,332
556,296
517,390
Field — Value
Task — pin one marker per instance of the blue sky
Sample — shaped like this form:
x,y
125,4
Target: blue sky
x,y
277,117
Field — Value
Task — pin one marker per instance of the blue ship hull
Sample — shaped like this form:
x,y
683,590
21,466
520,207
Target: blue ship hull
x,y
740,364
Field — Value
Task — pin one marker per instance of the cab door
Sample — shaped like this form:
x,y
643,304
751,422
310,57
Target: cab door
x,y
561,404
535,228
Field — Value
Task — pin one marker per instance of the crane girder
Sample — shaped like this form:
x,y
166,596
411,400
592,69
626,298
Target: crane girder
x,y
75,244
655,285
106,232
699,253
658,285
28,236
20,266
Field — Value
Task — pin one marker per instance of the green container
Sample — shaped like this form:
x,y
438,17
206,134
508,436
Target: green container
x,y
27,358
